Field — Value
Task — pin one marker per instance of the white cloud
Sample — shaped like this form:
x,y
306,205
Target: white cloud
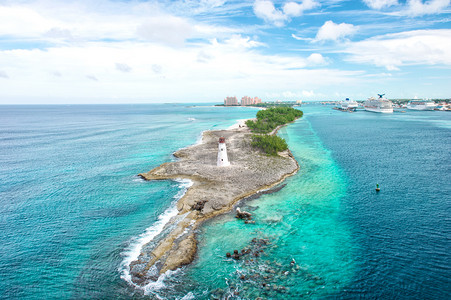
x,y
293,95
3,74
237,41
300,38
380,4
92,77
316,59
89,72
123,67
294,9
392,51
157,69
78,22
60,33
56,74
265,10
308,93
168,30
334,32
418,8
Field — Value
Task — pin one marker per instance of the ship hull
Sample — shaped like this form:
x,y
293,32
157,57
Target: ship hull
x,y
420,107
379,110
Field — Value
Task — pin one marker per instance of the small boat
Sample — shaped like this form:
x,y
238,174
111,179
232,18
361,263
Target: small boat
x,y
377,187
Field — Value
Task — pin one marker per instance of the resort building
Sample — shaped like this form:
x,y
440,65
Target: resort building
x,y
250,101
228,101
246,101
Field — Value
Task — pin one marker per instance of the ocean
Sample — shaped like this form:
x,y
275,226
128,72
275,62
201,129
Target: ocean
x,y
74,213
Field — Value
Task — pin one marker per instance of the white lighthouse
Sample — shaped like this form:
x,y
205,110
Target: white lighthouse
x,y
223,161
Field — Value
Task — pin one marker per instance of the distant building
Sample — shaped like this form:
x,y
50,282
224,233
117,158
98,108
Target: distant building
x,y
247,101
229,101
250,101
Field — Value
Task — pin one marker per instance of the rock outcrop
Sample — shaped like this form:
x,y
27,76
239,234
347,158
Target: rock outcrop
x,y
214,191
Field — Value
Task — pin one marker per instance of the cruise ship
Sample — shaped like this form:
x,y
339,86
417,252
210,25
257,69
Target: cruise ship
x,y
348,104
380,105
421,105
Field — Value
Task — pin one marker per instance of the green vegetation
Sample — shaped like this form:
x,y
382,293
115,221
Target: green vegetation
x,y
269,119
270,144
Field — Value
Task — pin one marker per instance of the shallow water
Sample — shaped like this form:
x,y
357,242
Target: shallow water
x,y
73,210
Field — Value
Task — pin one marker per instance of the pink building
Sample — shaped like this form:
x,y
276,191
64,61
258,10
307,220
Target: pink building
x,y
246,101
250,101
228,101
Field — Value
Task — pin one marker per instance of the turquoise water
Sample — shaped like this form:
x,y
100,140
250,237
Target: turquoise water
x,y
73,211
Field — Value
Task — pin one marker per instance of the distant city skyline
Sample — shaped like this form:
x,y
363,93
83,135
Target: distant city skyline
x,y
60,52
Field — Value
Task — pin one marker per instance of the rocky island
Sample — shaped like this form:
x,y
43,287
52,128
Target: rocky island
x,y
214,191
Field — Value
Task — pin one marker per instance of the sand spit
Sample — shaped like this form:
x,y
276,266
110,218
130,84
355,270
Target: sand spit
x,y
214,191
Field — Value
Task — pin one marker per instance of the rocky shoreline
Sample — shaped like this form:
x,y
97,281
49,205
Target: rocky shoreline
x,y
214,191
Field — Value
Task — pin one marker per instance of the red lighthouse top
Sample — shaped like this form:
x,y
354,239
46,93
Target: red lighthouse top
x,y
222,140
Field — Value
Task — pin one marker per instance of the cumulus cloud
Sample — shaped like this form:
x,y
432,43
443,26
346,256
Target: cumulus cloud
x,y
123,67
308,93
412,7
417,7
392,51
333,32
3,74
380,4
238,41
265,10
294,9
316,59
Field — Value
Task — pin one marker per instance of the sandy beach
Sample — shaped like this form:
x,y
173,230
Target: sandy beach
x,y
214,191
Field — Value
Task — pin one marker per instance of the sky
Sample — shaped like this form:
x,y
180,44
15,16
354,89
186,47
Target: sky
x,y
113,51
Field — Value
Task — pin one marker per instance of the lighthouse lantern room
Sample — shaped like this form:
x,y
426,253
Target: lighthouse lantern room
x,y
223,161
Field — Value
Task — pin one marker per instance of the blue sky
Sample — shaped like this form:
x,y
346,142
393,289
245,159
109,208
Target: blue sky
x,y
202,51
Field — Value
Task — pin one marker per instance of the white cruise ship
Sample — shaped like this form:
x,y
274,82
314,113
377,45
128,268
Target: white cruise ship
x,y
380,105
421,105
349,104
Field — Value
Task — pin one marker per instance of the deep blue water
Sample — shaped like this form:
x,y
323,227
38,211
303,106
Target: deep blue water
x,y
72,207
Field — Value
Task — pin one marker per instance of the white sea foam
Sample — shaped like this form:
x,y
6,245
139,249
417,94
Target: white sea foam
x,y
153,286
199,138
138,179
189,296
131,253
191,119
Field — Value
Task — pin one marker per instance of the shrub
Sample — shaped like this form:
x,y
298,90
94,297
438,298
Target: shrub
x,y
269,119
270,144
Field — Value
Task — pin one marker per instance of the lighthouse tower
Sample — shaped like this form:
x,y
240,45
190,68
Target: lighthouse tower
x,y
223,161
